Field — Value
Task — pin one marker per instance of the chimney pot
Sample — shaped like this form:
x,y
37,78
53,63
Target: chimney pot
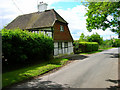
x,y
42,7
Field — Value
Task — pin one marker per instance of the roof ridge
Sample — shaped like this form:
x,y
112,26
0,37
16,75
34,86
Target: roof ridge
x,y
54,14
35,12
53,11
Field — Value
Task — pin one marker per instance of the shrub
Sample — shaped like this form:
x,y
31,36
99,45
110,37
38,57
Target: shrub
x,y
76,46
22,47
88,46
85,46
116,43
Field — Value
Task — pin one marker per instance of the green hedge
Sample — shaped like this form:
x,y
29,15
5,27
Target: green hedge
x,y
88,46
21,47
85,46
76,47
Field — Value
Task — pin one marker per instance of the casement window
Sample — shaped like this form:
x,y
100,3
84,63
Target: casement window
x,y
61,28
49,34
37,31
66,44
33,31
59,45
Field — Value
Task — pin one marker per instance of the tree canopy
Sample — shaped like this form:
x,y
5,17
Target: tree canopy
x,y
98,13
82,37
95,38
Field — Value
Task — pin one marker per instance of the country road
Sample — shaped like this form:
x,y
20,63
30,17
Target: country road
x,y
98,70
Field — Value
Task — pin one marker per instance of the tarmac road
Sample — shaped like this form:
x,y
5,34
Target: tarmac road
x,y
98,70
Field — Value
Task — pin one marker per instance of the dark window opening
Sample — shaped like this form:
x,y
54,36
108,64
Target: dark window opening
x,y
66,44
60,45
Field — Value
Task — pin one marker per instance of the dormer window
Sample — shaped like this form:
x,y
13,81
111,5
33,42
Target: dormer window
x,y
61,28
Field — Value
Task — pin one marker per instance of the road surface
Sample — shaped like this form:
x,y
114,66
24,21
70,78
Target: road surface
x,y
98,70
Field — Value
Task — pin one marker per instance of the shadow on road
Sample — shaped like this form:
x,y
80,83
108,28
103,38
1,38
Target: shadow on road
x,y
36,84
115,87
75,57
113,55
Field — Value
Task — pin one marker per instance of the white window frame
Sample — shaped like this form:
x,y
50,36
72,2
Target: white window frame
x,y
61,28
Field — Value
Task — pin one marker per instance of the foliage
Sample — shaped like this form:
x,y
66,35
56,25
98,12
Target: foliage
x,y
88,46
104,47
23,47
95,38
82,37
98,13
76,46
91,52
85,46
108,43
15,76
116,43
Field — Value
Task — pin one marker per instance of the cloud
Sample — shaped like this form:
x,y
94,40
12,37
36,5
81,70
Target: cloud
x,y
75,17
77,22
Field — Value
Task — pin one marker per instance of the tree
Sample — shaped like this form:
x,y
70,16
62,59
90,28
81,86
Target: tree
x,y
98,13
95,38
108,43
116,43
82,37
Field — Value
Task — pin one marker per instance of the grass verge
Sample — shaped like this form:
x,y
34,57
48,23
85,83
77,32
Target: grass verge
x,y
91,52
105,48
15,76
100,50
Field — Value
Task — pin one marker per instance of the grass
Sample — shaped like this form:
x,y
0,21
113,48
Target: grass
x,y
100,50
15,76
91,52
105,47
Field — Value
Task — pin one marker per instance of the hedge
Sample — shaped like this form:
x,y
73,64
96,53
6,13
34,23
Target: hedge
x,y
85,46
23,47
88,46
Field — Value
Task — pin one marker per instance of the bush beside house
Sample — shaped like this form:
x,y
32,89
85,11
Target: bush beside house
x,y
23,47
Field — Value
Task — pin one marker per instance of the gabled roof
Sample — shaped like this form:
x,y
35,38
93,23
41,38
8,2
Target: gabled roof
x,y
36,20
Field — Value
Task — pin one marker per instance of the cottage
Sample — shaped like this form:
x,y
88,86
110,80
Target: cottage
x,y
49,22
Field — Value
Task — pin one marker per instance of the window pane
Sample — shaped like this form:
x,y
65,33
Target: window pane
x,y
66,44
60,45
61,28
35,31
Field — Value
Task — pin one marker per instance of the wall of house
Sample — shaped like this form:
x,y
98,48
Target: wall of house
x,y
63,50
61,35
